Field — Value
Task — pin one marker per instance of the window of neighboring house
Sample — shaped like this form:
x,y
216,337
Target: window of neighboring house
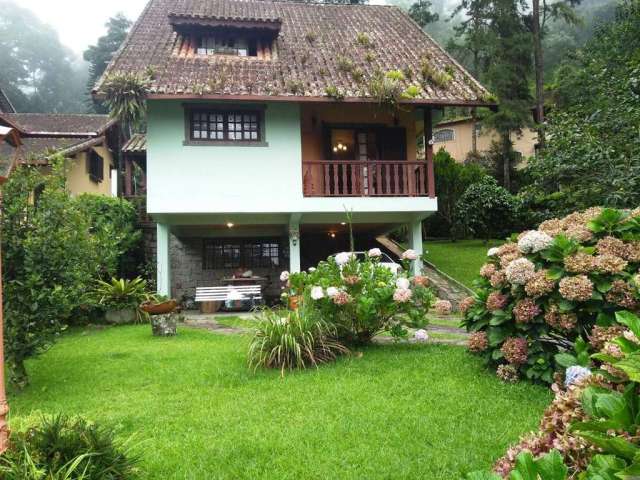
x,y
444,135
95,167
227,45
225,126
225,253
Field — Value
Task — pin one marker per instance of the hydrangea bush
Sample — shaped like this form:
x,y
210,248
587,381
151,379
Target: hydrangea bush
x,y
363,298
544,289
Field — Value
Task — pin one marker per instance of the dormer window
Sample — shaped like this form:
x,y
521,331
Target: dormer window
x,y
227,45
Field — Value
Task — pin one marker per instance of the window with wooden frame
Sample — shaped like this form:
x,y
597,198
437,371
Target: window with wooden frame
x,y
95,167
444,135
224,127
225,253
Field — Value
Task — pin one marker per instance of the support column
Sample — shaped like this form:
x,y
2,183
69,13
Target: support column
x,y
163,260
415,243
294,243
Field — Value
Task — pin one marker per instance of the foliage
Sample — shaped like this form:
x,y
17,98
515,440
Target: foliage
x,y
38,73
593,151
49,257
100,54
122,294
548,290
422,14
61,448
486,209
452,180
131,378
113,223
125,97
387,89
334,92
362,298
293,339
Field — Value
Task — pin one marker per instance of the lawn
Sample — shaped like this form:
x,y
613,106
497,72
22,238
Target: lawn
x,y
461,260
397,411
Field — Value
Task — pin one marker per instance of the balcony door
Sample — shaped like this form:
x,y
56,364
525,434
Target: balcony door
x,y
361,155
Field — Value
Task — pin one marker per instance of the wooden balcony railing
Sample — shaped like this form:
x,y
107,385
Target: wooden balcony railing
x,y
379,178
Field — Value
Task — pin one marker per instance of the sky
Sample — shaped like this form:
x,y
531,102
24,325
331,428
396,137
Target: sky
x,y
79,23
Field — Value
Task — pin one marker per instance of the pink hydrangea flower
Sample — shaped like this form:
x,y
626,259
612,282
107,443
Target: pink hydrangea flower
x,y
402,295
409,255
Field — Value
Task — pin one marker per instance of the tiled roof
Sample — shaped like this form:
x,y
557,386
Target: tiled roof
x,y
136,144
58,123
5,103
40,147
318,46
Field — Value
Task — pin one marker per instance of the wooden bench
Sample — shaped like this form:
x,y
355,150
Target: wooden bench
x,y
230,293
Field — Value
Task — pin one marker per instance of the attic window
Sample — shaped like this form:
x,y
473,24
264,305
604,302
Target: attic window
x,y
227,45
445,135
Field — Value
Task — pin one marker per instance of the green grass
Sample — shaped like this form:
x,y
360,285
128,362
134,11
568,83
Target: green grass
x,y
237,322
397,411
461,260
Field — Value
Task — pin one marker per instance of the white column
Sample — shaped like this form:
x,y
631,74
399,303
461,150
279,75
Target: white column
x,y
294,243
415,243
163,260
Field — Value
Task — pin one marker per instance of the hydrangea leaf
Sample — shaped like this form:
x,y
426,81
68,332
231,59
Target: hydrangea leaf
x,y
551,466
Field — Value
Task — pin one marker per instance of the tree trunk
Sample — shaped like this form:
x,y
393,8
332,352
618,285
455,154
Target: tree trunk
x,y
539,69
506,160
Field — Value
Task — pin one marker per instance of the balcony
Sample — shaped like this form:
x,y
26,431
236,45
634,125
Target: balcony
x,y
372,178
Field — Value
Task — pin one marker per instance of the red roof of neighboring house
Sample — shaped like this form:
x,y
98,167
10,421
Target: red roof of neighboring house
x,y
317,46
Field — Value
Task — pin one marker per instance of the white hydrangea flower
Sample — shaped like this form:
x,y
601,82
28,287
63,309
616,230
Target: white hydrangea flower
x,y
409,255
284,276
421,335
520,271
403,283
574,374
317,293
332,292
312,269
492,252
375,252
343,257
534,241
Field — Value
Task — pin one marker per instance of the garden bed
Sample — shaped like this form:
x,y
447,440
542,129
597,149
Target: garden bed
x,y
397,411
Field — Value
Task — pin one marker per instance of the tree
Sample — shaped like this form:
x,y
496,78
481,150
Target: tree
x,y
100,54
474,32
38,73
593,151
452,179
508,75
486,209
49,260
422,14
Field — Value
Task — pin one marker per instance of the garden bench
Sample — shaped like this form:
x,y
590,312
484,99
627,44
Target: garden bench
x,y
230,293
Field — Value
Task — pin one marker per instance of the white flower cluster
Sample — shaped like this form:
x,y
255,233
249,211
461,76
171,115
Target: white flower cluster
x,y
317,293
409,255
520,271
574,374
421,335
284,276
332,292
403,283
492,252
343,258
375,252
534,241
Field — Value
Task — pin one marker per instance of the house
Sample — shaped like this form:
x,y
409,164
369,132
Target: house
x,y
456,137
263,131
86,141
9,138
5,103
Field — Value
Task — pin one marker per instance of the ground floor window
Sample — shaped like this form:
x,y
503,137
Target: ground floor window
x,y
226,253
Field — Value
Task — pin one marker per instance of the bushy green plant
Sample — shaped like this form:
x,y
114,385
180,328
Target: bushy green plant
x,y
123,294
49,259
486,209
549,466
62,447
362,298
541,298
289,340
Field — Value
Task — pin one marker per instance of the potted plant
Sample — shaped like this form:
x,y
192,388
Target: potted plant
x,y
122,298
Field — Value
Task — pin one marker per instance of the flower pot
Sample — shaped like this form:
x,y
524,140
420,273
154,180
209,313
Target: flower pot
x,y
159,308
120,317
294,302
164,325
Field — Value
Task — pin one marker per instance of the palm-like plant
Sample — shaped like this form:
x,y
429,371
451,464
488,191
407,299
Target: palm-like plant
x,y
120,293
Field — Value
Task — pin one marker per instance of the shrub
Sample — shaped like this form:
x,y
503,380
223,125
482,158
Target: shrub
x,y
61,447
591,426
362,298
486,209
293,339
122,294
556,286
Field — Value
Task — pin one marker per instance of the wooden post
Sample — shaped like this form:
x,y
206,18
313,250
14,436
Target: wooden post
x,y
128,176
4,406
428,152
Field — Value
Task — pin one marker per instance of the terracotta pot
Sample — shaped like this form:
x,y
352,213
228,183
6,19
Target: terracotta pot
x,y
294,302
159,308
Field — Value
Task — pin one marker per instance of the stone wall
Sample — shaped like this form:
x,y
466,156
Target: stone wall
x,y
187,272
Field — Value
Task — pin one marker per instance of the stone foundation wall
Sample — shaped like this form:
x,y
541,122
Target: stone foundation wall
x,y
187,273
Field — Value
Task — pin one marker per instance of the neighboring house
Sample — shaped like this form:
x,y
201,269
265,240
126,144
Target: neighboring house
x,y
85,140
9,138
251,162
5,103
456,137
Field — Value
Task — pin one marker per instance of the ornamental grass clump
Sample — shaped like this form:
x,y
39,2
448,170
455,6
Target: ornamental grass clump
x,y
552,285
290,340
